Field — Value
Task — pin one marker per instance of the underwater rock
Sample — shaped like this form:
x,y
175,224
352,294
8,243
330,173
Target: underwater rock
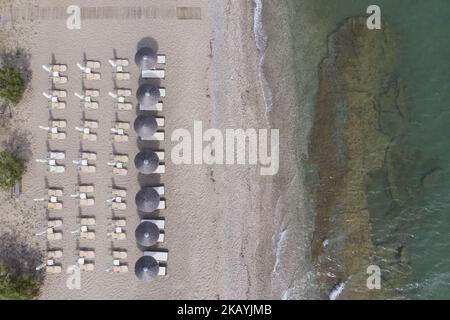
x,y
432,178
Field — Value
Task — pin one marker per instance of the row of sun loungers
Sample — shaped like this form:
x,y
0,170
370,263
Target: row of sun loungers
x,y
86,163
89,69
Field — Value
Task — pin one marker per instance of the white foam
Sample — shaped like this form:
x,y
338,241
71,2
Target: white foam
x,y
261,44
337,291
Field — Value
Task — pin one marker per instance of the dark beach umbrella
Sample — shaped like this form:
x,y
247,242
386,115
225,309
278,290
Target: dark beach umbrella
x,y
146,161
146,268
147,234
146,58
147,200
147,96
145,126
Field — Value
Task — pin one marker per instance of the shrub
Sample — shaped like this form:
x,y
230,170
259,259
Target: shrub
x,y
17,287
12,85
11,170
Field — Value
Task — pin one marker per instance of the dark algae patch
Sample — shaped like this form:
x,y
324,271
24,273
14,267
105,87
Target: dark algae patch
x,y
359,112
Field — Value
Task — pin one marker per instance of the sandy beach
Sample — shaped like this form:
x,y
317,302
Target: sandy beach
x,y
218,218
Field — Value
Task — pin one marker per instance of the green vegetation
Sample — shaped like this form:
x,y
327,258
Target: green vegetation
x,y
12,85
11,170
17,287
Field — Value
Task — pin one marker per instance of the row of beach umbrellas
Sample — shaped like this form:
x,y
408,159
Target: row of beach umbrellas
x,y
147,161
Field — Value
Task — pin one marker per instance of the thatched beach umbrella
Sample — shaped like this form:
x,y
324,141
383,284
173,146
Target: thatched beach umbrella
x,y
146,161
147,234
145,126
147,96
146,268
146,58
147,200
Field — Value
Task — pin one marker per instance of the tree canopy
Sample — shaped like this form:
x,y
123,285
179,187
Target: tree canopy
x,y
12,85
11,170
17,287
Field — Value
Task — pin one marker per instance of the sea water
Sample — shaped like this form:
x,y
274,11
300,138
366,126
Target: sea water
x,y
420,226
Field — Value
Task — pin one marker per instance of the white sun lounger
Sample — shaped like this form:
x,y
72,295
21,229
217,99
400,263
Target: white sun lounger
x,y
158,255
118,236
90,124
160,169
92,64
56,136
58,105
161,237
93,105
121,158
59,80
119,223
122,125
118,254
56,169
58,67
161,155
87,202
159,223
124,106
123,92
160,121
158,136
88,188
56,155
54,254
120,171
87,254
62,124
92,137
156,107
94,93
54,236
119,206
87,235
118,62
55,192
120,269
87,221
162,92
162,204
120,138
53,269
54,206
59,93
87,267
161,59
92,76
160,190
122,76
54,223
87,169
119,193
155,74
89,156
162,271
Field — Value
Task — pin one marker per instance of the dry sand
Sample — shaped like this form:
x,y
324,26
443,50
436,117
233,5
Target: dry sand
x,y
218,218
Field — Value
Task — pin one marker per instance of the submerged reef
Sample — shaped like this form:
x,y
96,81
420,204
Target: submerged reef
x,y
359,114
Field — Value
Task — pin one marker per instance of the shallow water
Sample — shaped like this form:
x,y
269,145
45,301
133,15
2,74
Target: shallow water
x,y
416,225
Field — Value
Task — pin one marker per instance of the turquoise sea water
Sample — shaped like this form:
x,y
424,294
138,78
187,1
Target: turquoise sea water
x,y
418,225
